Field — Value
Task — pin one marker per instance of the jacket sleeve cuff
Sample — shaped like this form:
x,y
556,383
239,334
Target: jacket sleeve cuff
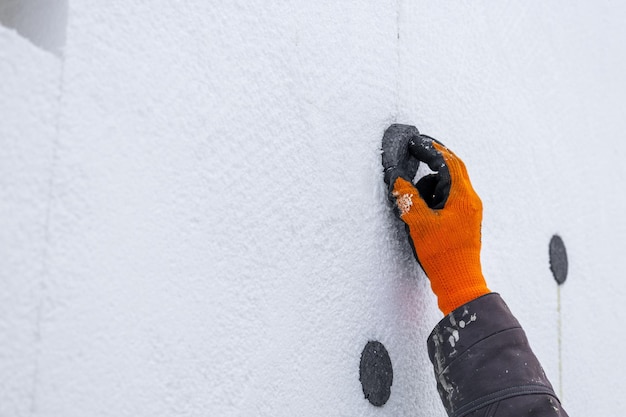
x,y
481,355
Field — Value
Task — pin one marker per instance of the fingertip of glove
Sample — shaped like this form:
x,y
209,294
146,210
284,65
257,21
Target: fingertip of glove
x,y
401,185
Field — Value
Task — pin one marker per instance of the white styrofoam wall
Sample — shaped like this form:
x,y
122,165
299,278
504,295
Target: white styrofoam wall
x,y
194,220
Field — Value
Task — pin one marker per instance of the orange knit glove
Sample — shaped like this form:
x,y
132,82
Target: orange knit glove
x,y
446,239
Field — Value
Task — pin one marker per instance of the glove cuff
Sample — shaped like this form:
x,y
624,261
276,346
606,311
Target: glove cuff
x,y
456,278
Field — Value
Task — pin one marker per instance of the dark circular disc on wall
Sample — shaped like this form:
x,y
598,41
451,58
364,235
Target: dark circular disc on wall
x,y
558,259
376,373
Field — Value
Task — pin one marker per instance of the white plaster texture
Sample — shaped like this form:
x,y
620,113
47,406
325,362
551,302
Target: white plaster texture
x,y
195,221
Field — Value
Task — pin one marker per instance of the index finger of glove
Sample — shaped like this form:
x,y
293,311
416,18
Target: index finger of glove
x,y
434,188
455,165
461,190
422,147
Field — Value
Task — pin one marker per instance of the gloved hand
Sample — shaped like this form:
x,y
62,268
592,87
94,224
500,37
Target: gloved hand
x,y
443,215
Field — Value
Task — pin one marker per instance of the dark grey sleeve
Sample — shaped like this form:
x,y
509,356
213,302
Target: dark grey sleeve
x,y
484,365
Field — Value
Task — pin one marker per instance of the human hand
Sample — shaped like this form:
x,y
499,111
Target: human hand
x,y
443,215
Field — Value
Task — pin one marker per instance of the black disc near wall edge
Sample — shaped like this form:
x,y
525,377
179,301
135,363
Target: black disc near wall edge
x,y
376,373
558,259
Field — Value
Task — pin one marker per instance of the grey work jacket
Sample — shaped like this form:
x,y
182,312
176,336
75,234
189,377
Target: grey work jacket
x,y
484,365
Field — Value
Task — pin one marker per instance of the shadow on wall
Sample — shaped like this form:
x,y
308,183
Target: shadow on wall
x,y
43,22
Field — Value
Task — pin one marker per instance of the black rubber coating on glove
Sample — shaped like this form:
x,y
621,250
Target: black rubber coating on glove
x,y
403,149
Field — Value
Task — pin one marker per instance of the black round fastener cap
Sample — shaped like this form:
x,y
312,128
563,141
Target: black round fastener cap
x,y
558,259
376,373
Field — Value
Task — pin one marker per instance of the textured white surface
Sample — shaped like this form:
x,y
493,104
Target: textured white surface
x,y
193,215
29,107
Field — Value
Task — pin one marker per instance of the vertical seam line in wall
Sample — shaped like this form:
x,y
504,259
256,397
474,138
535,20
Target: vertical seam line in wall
x,y
398,58
559,341
43,284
